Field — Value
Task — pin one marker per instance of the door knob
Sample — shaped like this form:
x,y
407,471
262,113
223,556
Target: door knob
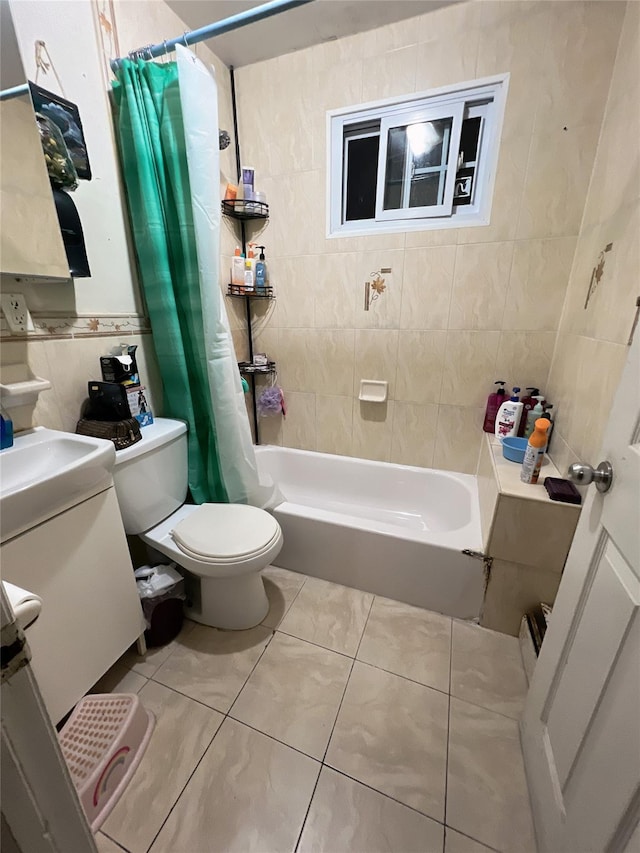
x,y
602,476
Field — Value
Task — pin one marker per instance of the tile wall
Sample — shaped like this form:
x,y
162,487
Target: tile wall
x,y
69,363
592,340
462,307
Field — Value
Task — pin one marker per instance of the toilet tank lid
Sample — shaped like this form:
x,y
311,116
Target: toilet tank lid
x,y
161,431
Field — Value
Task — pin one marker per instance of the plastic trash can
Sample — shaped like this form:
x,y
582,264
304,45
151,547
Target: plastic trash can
x,y
161,591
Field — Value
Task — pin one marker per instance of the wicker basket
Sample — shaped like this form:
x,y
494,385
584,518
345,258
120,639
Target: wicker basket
x,y
121,433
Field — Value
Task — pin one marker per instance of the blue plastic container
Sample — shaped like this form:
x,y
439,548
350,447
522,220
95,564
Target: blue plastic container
x,y
513,448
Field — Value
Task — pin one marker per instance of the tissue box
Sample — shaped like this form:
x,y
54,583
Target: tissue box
x,y
115,370
138,404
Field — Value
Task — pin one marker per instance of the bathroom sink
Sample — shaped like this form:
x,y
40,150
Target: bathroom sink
x,y
48,471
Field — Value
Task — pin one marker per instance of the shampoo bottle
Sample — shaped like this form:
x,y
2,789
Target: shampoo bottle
x,y
533,415
261,271
528,402
251,258
534,454
508,417
494,401
237,267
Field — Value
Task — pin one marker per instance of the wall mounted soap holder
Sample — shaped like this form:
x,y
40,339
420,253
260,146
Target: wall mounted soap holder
x,y
373,390
19,386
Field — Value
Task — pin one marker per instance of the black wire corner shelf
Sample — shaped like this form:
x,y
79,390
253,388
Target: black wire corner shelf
x,y
251,369
244,209
241,291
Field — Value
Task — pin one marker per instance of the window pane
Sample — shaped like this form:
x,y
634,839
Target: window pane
x,y
362,174
429,142
394,173
426,190
416,164
469,139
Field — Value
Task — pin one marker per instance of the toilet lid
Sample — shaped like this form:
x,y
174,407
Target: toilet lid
x,y
225,531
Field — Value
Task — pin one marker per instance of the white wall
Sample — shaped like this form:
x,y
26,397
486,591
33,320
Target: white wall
x,y
76,322
71,31
67,27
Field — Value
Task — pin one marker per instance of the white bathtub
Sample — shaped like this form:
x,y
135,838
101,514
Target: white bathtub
x,y
392,530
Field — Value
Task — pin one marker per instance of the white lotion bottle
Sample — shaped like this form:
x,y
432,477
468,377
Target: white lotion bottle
x,y
508,417
248,276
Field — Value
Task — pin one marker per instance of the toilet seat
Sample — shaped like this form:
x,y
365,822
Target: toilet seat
x,y
222,534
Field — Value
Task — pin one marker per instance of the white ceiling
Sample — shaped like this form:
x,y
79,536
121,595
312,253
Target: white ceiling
x,y
316,22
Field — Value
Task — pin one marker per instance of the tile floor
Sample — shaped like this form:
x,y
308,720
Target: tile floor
x,y
345,722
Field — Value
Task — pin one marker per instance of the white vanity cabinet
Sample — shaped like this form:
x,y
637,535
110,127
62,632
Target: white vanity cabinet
x,y
79,564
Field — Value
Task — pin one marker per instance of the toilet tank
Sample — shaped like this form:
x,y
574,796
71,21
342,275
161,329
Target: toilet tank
x,y
151,476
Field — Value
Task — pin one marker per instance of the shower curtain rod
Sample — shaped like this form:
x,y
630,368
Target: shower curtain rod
x,y
14,92
258,13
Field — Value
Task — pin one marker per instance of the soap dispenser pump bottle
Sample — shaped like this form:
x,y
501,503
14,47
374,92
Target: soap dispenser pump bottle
x,y
528,402
534,414
261,272
494,401
6,430
508,417
549,416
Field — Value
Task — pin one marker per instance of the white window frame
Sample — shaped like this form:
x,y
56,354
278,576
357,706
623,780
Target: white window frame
x,y
454,112
488,93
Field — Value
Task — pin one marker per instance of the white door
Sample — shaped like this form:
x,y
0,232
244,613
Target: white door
x,y
41,812
581,723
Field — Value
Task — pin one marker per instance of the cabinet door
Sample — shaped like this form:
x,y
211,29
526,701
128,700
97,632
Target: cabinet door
x,y
79,564
31,243
30,239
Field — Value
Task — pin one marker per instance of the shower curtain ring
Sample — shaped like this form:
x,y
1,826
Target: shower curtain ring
x,y
184,38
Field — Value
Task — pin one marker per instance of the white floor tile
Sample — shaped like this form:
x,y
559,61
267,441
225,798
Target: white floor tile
x,y
408,641
391,734
487,796
486,669
330,615
347,817
294,694
250,794
182,732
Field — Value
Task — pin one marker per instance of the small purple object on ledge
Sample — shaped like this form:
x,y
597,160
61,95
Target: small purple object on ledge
x,y
562,490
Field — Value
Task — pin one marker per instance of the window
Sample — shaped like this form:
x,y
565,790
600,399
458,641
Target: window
x,y
427,161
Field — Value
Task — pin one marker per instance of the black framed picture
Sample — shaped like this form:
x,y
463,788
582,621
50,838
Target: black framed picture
x,y
463,191
66,117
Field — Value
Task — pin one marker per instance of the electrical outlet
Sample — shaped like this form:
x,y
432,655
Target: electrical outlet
x,y
14,308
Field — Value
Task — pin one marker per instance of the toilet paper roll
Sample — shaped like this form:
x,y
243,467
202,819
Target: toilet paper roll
x,y
25,605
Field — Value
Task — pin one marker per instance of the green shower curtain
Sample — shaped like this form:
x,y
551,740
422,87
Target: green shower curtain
x,y
149,126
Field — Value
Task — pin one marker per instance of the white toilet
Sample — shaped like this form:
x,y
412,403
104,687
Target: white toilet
x,y
225,546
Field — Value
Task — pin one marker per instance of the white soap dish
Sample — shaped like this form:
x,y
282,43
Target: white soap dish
x,y
19,386
373,390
